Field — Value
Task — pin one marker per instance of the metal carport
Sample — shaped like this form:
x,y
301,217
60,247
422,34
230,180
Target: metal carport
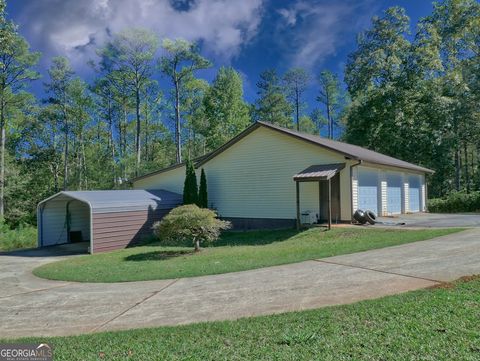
x,y
109,220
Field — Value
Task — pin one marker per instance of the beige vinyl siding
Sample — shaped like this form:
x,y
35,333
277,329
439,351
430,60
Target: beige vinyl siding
x,y
423,194
171,180
382,207
406,191
254,177
355,189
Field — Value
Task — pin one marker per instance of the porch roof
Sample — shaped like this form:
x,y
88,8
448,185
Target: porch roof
x,y
319,172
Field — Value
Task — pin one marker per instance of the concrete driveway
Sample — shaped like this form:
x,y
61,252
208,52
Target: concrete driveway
x,y
32,306
436,220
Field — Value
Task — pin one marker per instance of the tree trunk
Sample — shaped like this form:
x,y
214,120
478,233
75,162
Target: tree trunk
x,y
111,140
197,245
467,176
65,161
137,136
457,169
297,107
329,118
2,158
146,156
177,122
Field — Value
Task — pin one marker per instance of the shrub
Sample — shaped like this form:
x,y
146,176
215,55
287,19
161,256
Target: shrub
x,y
456,202
190,223
202,191
190,189
24,236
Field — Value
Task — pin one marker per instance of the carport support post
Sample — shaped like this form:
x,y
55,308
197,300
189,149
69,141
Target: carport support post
x,y
329,203
297,185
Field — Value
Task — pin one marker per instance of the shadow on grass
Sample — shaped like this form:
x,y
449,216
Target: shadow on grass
x,y
233,238
255,238
158,255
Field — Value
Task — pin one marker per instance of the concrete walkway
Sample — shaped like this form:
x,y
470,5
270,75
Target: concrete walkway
x,y
32,306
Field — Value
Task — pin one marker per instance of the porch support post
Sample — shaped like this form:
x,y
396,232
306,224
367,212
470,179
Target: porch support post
x,y
297,185
320,215
329,204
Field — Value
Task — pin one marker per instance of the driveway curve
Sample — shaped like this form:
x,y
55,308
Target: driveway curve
x,y
30,306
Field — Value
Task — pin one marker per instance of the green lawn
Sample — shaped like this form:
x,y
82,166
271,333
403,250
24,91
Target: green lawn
x,y
236,251
440,324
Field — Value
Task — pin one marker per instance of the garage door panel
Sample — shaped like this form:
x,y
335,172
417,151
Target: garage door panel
x,y
368,190
394,193
414,193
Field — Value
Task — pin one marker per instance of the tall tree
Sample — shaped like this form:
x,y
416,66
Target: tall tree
x,y
330,96
61,75
296,82
182,60
226,112
16,63
272,105
190,188
130,56
374,75
203,191
196,126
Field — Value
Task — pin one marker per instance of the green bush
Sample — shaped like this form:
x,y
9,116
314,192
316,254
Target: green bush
x,y
190,223
202,191
24,236
190,188
456,202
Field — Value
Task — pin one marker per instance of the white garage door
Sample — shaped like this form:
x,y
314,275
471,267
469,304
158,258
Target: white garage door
x,y
414,193
394,193
368,190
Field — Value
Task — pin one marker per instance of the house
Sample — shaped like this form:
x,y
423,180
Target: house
x,y
266,177
269,176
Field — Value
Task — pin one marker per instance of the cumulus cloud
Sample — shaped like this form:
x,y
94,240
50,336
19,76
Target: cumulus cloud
x,y
76,27
311,31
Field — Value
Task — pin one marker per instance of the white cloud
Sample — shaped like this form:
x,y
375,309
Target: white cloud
x,y
75,27
311,31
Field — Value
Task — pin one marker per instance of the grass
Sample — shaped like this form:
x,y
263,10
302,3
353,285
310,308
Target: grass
x,y
236,251
433,324
21,237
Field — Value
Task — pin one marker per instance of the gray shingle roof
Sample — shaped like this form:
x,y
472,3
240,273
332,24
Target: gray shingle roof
x,y
123,200
350,150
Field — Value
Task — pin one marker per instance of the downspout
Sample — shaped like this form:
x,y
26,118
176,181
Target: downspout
x,y
351,187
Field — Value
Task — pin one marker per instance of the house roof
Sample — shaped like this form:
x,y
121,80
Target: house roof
x,y
121,200
348,150
319,172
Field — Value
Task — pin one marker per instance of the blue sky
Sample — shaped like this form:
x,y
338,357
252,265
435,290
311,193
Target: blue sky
x,y
250,35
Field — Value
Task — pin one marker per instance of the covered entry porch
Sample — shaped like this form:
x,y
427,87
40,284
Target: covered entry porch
x,y
327,176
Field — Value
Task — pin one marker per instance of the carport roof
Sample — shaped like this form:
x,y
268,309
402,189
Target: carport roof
x,y
120,200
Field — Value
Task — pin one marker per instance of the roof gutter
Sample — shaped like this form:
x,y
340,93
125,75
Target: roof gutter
x,y
351,186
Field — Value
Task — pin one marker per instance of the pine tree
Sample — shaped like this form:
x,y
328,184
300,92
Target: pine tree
x,y
190,189
203,192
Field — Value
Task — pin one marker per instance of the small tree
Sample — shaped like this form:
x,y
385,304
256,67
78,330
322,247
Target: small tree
x,y
202,191
190,223
190,189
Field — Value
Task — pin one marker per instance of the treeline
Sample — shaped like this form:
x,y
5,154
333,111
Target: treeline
x,y
413,96
417,96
